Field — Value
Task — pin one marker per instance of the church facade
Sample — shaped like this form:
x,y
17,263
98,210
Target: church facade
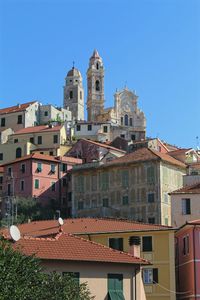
x,y
125,119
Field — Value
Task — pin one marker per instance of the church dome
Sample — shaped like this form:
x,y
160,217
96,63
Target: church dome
x,y
74,72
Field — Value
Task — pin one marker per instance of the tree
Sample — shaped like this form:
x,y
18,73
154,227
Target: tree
x,y
22,278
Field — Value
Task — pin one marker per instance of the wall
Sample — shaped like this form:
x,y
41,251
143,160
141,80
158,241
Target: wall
x,y
95,274
162,257
178,219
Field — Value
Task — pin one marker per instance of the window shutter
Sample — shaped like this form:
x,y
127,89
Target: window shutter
x,y
155,275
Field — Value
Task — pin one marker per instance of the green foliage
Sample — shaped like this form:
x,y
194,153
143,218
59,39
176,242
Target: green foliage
x,y
21,278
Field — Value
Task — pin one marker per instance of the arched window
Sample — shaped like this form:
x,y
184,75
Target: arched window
x,y
97,66
18,152
126,120
71,94
97,85
80,95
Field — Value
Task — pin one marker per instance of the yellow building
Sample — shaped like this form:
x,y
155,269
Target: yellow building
x,y
157,246
45,139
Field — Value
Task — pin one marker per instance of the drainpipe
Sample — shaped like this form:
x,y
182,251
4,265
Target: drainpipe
x,y
194,254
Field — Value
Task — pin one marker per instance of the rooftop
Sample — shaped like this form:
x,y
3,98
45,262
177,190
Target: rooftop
x,y
41,129
188,189
16,108
85,226
145,154
72,248
36,156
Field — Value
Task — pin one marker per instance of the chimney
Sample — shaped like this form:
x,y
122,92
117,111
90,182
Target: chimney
x,y
134,243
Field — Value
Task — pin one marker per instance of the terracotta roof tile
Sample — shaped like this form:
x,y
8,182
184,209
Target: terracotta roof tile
x,y
41,129
72,248
85,226
145,154
16,108
188,189
37,156
103,145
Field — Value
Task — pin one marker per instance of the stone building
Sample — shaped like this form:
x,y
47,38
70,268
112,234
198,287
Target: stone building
x,y
134,186
125,119
74,94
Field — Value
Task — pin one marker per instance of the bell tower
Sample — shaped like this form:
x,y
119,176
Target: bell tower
x,y
95,87
74,94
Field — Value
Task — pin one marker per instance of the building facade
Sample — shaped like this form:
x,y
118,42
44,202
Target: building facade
x,y
188,261
134,186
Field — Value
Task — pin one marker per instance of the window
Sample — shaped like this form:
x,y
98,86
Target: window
x,y
186,244
97,85
36,184
39,140
80,205
15,141
105,129
104,181
147,243
80,184
18,152
186,209
1,179
71,94
126,120
53,168
3,122
122,136
46,113
131,122
9,171
22,185
81,95
150,174
51,153
32,140
116,243
19,119
39,167
122,120
165,197
23,168
94,182
151,197
78,127
105,202
69,196
150,276
9,189
97,66
151,220
55,139
1,156
115,287
64,181
133,137
64,167
125,178
125,200
166,221
89,127
53,186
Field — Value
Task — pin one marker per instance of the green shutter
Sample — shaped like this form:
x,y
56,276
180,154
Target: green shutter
x,y
104,181
36,183
125,178
151,174
115,287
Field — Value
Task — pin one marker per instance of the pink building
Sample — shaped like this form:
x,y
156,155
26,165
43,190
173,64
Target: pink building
x,y
188,261
41,177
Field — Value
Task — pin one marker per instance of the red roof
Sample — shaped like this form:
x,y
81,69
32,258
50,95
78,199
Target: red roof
x,y
1,169
85,226
41,129
37,156
188,189
72,248
145,154
16,108
103,145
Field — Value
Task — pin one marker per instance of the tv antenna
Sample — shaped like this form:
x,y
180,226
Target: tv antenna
x,y
15,233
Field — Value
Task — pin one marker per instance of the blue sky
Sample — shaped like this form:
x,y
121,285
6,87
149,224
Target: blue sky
x,y
153,46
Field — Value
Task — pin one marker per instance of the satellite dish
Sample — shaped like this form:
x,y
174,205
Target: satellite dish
x,y
15,233
60,221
